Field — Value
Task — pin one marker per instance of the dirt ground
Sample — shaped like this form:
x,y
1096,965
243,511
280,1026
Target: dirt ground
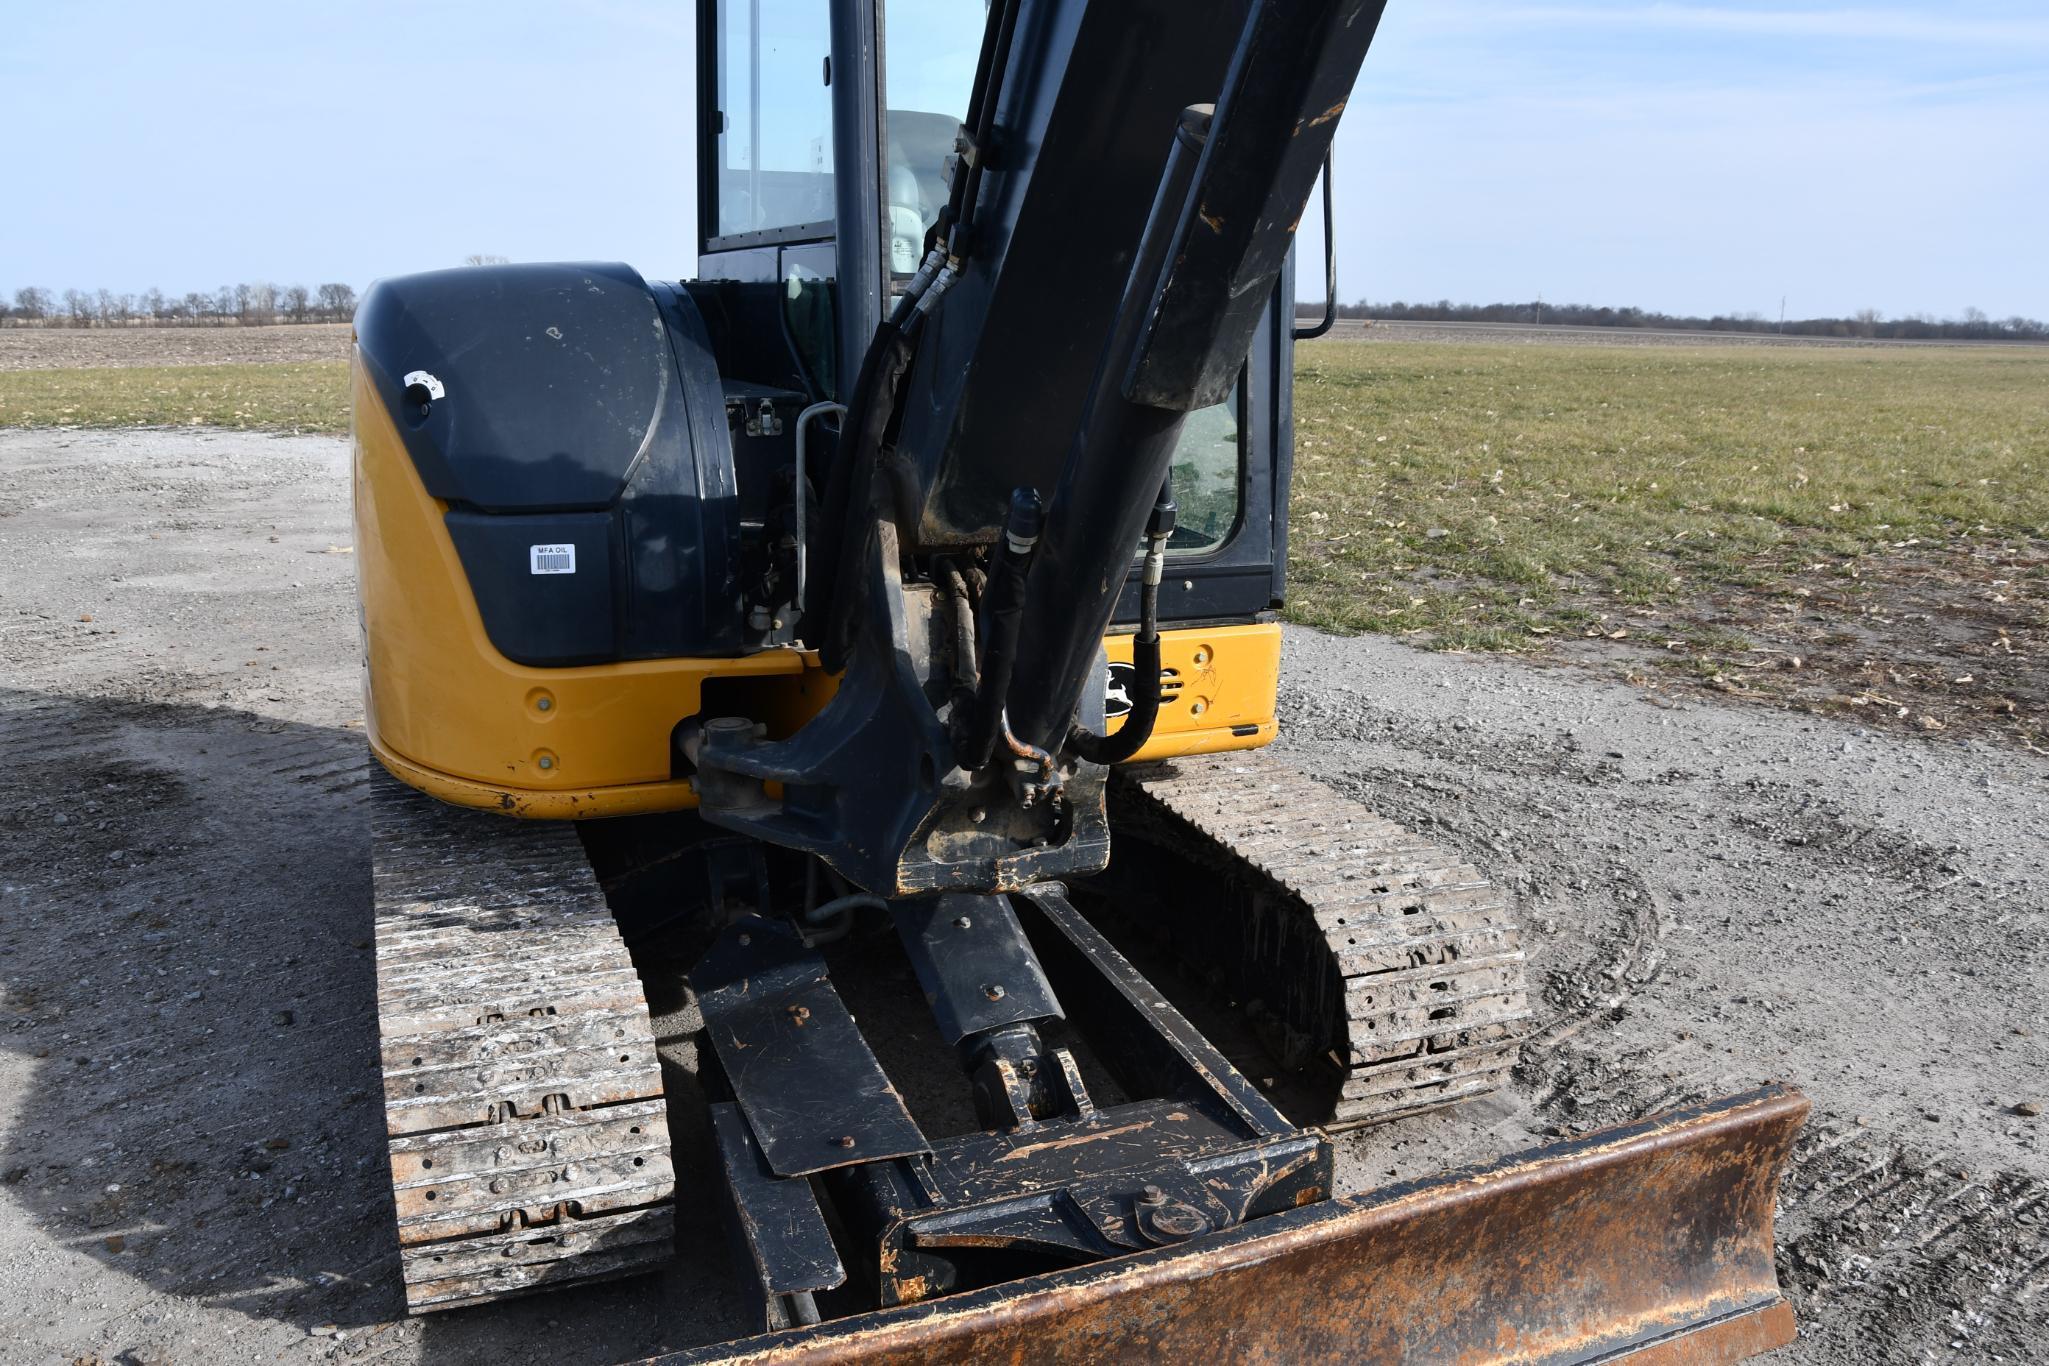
x,y
1543,334
191,1156
1930,639
94,348
64,348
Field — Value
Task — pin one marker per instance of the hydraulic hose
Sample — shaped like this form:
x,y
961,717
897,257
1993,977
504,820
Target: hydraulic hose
x,y
832,920
1048,767
957,220
996,39
1002,615
966,670
863,432
1145,651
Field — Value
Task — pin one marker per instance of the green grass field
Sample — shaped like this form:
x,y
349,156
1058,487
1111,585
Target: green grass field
x,y
1486,496
308,396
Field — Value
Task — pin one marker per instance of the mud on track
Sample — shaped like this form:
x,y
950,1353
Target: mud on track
x,y
1714,896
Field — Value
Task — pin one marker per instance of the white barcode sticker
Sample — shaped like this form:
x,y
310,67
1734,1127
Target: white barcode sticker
x,y
552,559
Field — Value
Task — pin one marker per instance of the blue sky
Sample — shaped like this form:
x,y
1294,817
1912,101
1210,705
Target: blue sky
x,y
1686,156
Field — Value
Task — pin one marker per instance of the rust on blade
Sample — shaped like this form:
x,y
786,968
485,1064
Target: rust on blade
x,y
1651,1242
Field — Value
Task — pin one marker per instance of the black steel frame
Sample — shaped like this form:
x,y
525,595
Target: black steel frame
x,y
1054,1180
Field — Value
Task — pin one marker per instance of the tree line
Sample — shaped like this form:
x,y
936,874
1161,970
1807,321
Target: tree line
x,y
1973,325
261,304
246,305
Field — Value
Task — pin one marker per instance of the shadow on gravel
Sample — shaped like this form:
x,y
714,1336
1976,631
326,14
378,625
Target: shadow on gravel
x,y
184,918
190,1043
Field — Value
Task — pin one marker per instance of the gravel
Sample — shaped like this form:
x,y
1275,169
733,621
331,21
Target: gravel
x,y
1713,896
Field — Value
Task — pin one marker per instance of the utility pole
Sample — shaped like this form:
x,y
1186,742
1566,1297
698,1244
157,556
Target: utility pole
x,y
1782,313
1540,308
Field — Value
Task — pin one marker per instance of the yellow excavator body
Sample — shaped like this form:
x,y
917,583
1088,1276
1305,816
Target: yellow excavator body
x,y
449,714
914,573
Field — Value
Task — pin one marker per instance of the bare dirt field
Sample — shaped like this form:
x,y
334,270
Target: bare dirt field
x,y
1547,334
97,348
191,1152
64,348
1862,532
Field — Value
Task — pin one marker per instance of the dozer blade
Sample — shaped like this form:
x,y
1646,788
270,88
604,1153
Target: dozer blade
x,y
1650,1243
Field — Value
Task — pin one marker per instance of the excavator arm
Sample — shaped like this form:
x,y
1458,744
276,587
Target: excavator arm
x,y
995,763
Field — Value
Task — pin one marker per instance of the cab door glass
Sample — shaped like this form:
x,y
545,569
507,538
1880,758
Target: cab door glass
x,y
1206,474
775,126
929,48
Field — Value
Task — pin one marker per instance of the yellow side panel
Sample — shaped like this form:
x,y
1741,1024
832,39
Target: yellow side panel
x,y
1219,689
450,715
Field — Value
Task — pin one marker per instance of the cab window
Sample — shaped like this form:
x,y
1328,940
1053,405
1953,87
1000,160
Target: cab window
x,y
774,120
1206,474
930,48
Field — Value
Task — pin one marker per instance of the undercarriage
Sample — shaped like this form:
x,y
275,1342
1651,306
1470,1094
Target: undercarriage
x,y
1103,1140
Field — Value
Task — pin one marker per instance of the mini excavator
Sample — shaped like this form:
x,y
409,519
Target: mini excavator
x,y
905,587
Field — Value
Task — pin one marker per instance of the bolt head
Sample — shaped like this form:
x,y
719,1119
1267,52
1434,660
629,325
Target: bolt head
x,y
994,991
962,922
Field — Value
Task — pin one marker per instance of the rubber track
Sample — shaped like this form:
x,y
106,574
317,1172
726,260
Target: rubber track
x,y
522,1093
1393,959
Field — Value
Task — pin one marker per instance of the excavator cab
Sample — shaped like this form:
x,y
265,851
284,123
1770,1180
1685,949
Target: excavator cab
x,y
786,200
912,575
